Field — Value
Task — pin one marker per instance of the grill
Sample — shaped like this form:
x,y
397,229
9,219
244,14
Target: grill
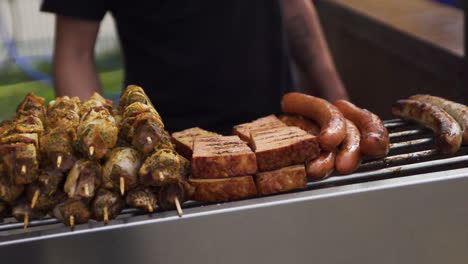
x,y
213,233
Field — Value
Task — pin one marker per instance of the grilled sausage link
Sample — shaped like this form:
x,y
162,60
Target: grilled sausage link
x,y
458,111
330,119
375,141
322,166
448,133
348,157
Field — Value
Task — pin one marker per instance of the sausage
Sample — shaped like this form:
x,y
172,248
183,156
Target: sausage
x,y
448,132
301,122
330,119
348,157
375,141
458,111
322,166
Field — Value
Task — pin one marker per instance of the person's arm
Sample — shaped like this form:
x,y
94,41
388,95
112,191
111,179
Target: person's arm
x,y
310,50
74,66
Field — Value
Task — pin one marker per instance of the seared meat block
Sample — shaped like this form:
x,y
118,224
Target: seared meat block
x,y
221,157
163,167
285,179
222,190
83,179
45,192
106,205
184,140
283,146
96,101
64,111
7,127
72,211
122,165
299,121
243,130
146,134
29,124
143,198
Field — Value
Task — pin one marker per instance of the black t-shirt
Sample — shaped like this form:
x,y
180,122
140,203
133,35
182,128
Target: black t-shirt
x,y
210,63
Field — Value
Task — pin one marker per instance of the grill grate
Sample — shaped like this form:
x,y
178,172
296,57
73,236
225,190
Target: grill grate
x,y
412,152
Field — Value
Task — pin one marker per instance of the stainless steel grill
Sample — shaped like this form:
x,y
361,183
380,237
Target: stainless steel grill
x,y
412,163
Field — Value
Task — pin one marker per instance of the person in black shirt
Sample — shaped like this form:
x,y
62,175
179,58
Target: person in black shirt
x,y
210,63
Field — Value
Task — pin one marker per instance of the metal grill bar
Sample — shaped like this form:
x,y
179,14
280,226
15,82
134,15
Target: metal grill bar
x,y
411,153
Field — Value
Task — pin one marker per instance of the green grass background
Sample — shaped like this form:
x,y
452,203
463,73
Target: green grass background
x,y
12,94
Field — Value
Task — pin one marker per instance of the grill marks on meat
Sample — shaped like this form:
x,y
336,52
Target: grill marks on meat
x,y
223,190
183,140
106,202
301,122
83,179
448,132
283,146
164,166
244,130
221,157
121,163
282,180
458,111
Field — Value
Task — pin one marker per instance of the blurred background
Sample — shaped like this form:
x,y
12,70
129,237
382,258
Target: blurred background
x,y
384,49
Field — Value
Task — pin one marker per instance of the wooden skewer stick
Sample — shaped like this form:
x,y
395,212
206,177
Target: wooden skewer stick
x,y
23,170
161,176
106,215
34,199
72,221
2,191
26,221
149,140
91,151
149,207
122,185
179,209
86,189
59,161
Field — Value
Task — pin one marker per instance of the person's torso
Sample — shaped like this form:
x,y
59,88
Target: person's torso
x,y
210,63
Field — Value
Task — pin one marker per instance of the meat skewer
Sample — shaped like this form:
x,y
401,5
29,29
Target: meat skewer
x,y
83,180
45,192
143,198
57,144
106,205
72,212
98,131
120,172
22,211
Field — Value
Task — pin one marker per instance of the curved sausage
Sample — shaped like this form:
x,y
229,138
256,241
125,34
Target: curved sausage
x,y
448,132
458,111
322,166
330,119
375,141
348,157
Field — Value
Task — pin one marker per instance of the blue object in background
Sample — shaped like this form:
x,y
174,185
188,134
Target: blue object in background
x,y
454,3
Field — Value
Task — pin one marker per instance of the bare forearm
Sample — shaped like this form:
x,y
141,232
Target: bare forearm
x,y
74,67
310,50
75,76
